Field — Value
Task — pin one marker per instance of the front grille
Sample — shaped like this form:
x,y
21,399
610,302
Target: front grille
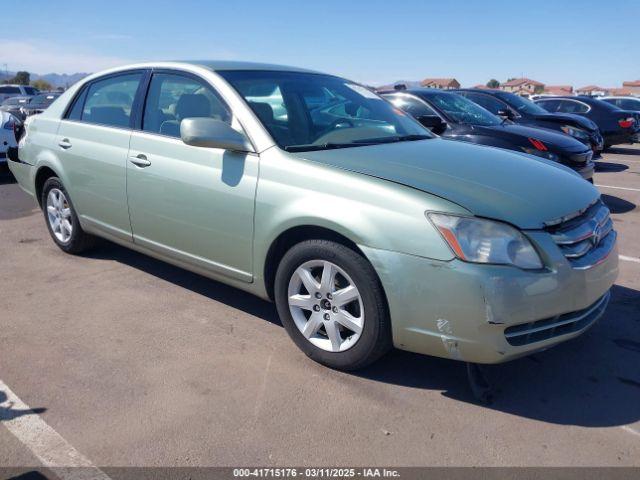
x,y
527,333
586,239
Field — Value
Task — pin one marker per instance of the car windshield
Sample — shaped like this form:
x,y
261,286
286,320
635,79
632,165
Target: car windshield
x,y
523,105
461,110
308,111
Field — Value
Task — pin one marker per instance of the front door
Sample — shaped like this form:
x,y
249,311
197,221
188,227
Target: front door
x,y
190,203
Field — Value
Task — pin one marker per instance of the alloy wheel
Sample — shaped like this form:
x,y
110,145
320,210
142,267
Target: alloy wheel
x,y
59,215
326,305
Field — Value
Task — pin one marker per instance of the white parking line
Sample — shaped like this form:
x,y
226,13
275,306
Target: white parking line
x,y
630,430
629,259
43,441
619,188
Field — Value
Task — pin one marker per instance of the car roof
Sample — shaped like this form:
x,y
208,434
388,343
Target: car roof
x,y
220,65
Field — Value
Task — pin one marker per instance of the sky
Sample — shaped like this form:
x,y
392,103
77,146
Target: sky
x,y
575,42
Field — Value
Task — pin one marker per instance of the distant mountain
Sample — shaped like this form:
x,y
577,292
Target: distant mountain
x,y
60,80
56,79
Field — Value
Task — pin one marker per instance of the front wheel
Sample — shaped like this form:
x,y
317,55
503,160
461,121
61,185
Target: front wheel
x,y
332,305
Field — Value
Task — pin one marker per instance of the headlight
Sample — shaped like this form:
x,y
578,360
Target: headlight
x,y
541,153
485,241
575,132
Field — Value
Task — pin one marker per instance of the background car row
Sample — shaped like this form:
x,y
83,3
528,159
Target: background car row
x,y
541,127
458,118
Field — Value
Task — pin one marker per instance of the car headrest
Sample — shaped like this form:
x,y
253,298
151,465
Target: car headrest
x,y
193,105
109,115
263,110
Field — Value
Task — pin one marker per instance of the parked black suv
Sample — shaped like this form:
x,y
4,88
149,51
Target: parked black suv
x,y
453,116
617,125
524,112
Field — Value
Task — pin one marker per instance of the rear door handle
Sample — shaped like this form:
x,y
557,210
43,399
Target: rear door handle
x,y
64,143
140,160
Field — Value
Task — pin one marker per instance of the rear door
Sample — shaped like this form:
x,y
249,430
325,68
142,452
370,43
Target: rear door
x,y
93,143
192,204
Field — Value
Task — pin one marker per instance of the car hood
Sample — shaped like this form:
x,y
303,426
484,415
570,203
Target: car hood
x,y
488,182
568,118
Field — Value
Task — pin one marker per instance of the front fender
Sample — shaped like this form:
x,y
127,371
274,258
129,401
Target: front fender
x,y
369,211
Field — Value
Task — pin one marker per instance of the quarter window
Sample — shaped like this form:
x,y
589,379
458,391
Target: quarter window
x,y
172,98
110,101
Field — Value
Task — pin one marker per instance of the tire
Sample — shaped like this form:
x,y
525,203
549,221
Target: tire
x,y
367,313
77,241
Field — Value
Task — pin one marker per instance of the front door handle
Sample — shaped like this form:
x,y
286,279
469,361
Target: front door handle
x,y
140,160
64,143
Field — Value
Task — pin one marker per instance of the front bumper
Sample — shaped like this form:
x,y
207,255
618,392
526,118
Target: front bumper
x,y
465,311
586,171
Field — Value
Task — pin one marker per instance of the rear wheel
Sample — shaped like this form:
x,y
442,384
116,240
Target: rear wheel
x,y
331,303
62,220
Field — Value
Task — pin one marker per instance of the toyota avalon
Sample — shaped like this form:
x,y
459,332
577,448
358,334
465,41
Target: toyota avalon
x,y
366,230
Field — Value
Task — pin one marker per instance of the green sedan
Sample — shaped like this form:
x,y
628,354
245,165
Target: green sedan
x,y
366,230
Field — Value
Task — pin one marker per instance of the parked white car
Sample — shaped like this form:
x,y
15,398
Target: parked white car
x,y
8,91
7,136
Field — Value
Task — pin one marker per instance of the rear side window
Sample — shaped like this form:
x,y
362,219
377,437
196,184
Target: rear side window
x,y
174,97
569,106
110,101
30,91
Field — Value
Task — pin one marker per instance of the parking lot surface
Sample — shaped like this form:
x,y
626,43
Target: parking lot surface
x,y
133,362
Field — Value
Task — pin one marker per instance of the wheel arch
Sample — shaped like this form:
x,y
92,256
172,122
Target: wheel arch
x,y
42,175
294,235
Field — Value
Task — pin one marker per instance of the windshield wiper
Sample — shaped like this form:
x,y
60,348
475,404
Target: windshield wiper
x,y
357,143
322,146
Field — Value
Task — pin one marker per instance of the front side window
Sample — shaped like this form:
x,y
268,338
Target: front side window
x,y
521,104
307,111
461,110
411,105
31,90
110,101
628,104
487,102
569,106
174,97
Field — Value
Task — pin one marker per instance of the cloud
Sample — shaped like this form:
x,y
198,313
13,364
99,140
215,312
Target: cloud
x,y
43,57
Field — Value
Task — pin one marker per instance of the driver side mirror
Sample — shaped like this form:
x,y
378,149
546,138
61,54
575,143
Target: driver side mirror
x,y
506,113
433,123
212,133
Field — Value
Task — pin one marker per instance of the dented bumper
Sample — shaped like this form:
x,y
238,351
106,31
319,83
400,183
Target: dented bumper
x,y
489,313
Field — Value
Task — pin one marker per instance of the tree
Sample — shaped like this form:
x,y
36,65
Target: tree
x,y
493,83
21,78
42,85
538,89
